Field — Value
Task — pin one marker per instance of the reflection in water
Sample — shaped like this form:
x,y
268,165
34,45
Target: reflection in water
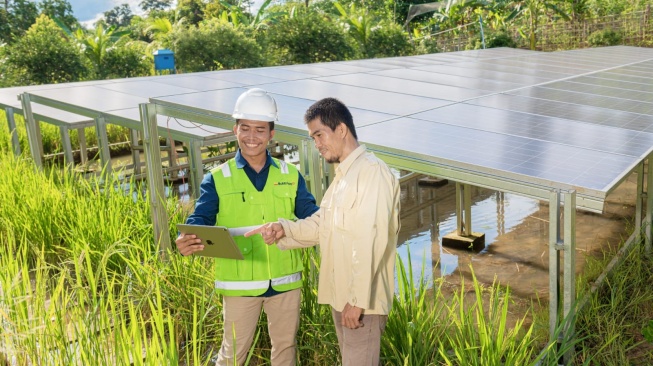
x,y
493,213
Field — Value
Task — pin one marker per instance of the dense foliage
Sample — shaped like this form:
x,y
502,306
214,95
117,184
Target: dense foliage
x,y
214,45
44,56
229,34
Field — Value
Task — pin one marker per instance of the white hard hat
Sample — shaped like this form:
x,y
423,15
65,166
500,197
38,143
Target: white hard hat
x,y
256,105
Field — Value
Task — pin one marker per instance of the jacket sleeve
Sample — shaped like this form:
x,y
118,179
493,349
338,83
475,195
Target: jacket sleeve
x,y
304,201
206,207
301,233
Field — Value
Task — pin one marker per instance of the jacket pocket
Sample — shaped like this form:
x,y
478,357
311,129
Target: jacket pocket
x,y
238,270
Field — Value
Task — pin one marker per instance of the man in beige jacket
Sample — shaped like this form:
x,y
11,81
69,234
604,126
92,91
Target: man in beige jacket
x,y
356,227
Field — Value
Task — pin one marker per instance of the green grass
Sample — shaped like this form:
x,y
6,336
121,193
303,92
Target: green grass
x,y
51,136
82,283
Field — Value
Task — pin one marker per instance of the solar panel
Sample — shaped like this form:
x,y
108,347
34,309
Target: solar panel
x,y
516,157
584,113
591,80
579,119
198,83
404,86
480,73
453,80
586,99
546,128
636,95
358,97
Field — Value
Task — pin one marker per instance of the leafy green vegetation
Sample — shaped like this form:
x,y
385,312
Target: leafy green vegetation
x,y
216,34
82,280
84,283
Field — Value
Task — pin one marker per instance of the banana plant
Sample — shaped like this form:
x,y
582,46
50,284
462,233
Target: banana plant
x,y
456,13
160,28
237,16
534,10
497,14
94,44
359,22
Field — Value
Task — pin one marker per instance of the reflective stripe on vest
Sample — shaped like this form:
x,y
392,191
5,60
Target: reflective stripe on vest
x,y
257,285
226,172
283,167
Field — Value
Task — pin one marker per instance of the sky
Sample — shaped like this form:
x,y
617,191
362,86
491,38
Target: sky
x,y
89,11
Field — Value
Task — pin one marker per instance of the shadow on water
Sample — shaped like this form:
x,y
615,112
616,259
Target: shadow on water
x,y
516,235
422,231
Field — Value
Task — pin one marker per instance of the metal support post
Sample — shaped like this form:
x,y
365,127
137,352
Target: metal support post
x,y
172,157
311,164
15,143
196,167
136,154
103,145
67,146
554,262
562,237
420,200
649,206
569,309
83,153
155,178
639,200
31,125
463,209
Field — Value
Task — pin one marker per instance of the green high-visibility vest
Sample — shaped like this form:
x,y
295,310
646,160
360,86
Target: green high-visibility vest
x,y
242,206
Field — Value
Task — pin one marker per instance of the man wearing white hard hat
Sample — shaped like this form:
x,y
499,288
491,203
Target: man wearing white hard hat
x,y
251,189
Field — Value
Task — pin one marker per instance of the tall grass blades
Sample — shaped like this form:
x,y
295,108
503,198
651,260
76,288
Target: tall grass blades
x,y
414,328
478,333
610,324
316,341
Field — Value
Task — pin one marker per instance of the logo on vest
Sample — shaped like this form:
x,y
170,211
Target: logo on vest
x,y
284,183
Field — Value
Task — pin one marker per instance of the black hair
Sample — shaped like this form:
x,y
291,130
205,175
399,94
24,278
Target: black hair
x,y
331,113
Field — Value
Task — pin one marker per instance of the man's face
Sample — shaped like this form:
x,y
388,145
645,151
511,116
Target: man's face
x,y
253,137
329,143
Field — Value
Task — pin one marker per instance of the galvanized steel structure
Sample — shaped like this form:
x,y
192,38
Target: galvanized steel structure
x,y
564,127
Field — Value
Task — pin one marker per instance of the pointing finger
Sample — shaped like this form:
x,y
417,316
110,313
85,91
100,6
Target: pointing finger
x,y
259,230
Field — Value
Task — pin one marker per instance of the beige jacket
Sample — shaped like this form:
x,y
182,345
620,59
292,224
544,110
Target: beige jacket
x,y
356,228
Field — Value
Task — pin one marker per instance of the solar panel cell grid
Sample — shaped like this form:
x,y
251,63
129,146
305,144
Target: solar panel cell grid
x,y
579,118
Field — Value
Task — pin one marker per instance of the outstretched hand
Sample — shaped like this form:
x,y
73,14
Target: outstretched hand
x,y
271,232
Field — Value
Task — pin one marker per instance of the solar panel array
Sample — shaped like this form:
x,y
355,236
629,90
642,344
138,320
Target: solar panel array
x,y
580,119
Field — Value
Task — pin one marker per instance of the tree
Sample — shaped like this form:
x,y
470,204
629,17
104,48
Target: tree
x,y
95,46
59,9
44,56
126,60
5,28
306,37
120,16
214,45
388,39
191,10
22,14
149,5
534,10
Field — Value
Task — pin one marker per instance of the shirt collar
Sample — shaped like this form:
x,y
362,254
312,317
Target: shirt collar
x,y
241,162
344,166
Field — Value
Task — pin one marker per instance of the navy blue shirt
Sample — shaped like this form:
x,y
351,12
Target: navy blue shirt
x,y
206,207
